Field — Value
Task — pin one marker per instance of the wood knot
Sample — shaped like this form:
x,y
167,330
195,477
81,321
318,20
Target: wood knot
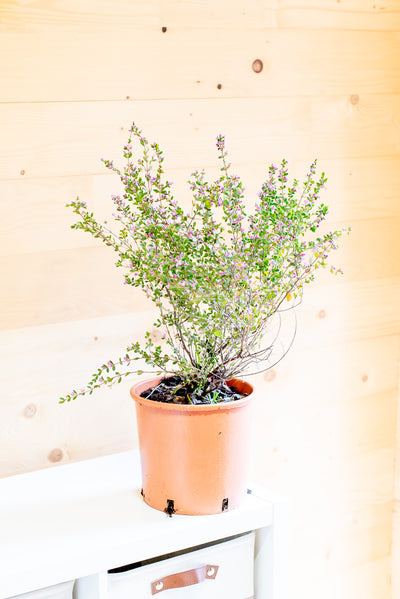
x,y
364,378
322,314
22,172
328,553
354,99
55,455
30,410
257,65
157,335
270,375
219,86
164,29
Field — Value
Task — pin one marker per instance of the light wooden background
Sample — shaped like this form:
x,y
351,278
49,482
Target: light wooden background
x,y
73,75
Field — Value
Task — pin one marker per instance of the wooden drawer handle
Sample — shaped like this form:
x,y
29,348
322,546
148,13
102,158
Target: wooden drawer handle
x,y
184,579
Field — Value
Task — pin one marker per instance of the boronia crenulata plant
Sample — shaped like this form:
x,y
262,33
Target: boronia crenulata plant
x,y
217,274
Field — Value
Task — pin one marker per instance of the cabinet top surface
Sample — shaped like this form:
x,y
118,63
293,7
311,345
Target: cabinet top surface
x,y
78,519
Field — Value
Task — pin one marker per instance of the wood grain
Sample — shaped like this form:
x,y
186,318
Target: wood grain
x,y
64,139
73,77
395,535
355,14
352,15
33,217
50,288
114,64
61,285
351,311
55,356
370,579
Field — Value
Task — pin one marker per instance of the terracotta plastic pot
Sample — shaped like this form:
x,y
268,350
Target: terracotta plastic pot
x,y
194,458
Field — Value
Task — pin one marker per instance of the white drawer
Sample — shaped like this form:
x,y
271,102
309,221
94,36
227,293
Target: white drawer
x,y
58,591
232,577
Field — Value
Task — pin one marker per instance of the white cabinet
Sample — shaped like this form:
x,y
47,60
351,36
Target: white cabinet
x,y
80,521
57,591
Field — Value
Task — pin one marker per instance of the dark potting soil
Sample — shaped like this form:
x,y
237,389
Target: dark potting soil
x,y
172,390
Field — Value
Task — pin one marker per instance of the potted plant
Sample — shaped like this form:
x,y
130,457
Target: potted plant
x,y
218,274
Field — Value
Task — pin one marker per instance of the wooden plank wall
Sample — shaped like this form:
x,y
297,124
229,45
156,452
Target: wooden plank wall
x,y
396,514
74,74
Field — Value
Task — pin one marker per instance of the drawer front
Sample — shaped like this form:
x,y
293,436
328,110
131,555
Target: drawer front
x,y
224,570
58,591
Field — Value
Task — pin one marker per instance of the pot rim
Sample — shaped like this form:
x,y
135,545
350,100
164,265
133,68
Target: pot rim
x,y
229,405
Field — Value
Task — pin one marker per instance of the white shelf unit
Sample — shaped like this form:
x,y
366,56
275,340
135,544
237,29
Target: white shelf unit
x,y
77,521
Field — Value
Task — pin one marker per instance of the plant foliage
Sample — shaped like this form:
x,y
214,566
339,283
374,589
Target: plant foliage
x,y
217,274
